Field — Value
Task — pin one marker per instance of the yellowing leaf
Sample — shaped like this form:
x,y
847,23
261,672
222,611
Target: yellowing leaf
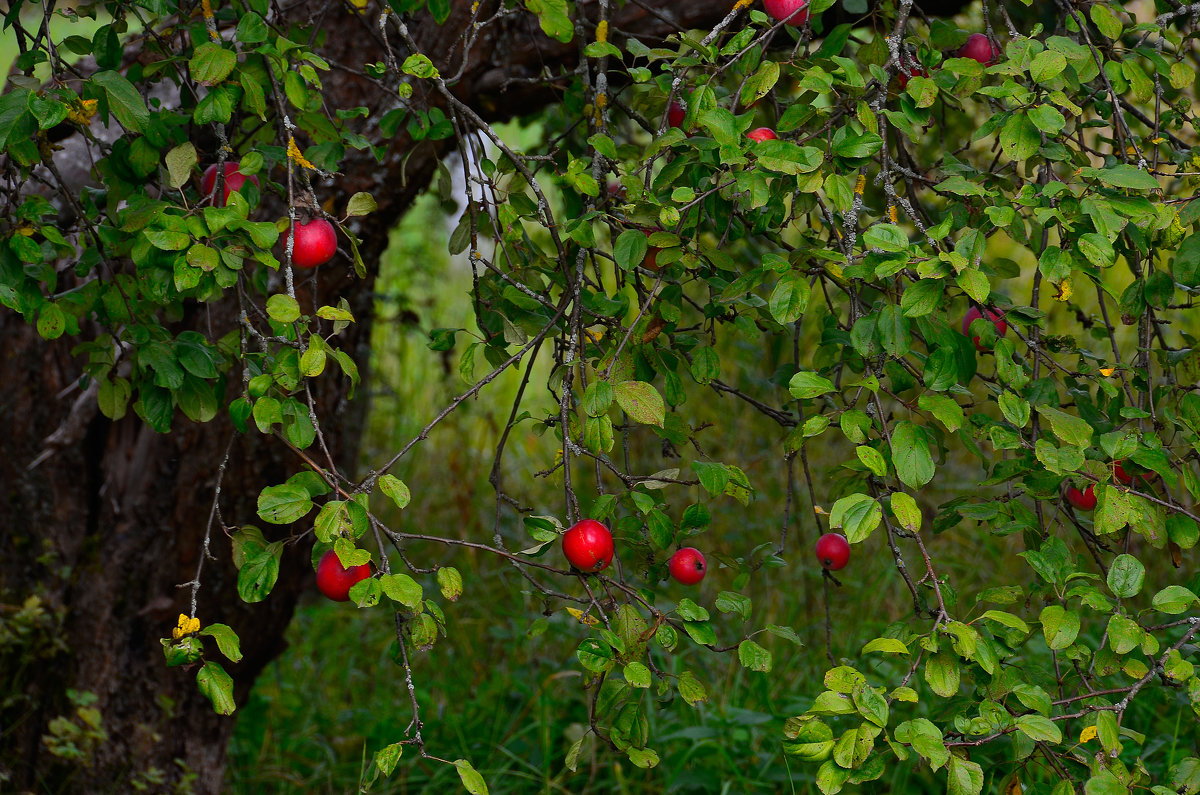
x,y
578,615
1088,734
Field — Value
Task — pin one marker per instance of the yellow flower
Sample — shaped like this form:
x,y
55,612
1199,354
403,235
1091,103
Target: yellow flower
x,y
602,31
294,153
186,626
860,184
893,216
742,3
1088,734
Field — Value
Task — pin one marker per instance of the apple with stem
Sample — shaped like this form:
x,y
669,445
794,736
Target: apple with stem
x,y
335,580
687,566
994,315
315,243
588,546
762,134
794,12
833,551
234,180
980,48
1083,500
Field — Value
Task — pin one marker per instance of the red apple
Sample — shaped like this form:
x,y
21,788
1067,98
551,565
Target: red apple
x,y
687,566
335,580
675,114
762,134
833,550
908,72
1127,479
980,48
234,180
650,261
1083,500
316,243
794,11
588,545
994,315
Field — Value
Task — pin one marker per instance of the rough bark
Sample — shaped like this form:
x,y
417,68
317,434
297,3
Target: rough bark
x,y
105,529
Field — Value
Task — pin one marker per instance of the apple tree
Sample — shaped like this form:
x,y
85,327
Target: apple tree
x,y
962,249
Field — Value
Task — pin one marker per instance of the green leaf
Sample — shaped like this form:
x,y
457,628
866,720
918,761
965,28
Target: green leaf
x,y
553,17
943,674
283,504
360,203
906,511
1125,576
1020,138
1174,599
809,385
1123,175
926,739
403,589
51,322
856,514
418,65
637,674
1067,427
123,100
885,237
211,63
450,582
790,297
630,248
964,777
690,688
388,757
1060,626
283,308
227,640
1047,65
1007,619
641,401
217,686
911,455
754,657
394,489
180,161
1039,728
885,645
471,778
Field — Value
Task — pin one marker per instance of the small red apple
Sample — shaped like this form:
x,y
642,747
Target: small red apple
x,y
994,315
908,72
980,48
588,546
833,550
316,243
675,114
335,580
762,134
1083,500
687,566
1127,479
234,180
794,11
650,261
